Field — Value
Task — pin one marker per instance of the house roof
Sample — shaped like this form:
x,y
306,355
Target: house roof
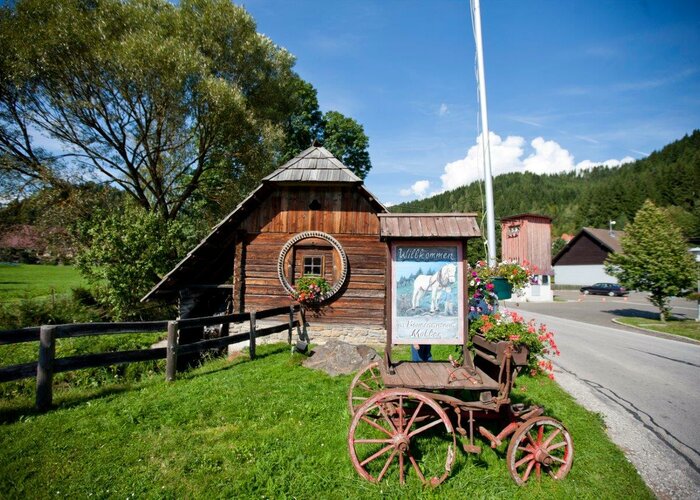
x,y
313,165
526,216
610,240
451,225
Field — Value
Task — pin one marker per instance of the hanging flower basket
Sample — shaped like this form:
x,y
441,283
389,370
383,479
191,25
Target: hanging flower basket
x,y
311,291
502,288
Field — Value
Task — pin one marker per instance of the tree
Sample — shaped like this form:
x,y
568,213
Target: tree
x,y
346,139
341,135
654,258
145,94
125,250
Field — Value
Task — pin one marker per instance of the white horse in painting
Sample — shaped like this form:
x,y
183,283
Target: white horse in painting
x,y
436,283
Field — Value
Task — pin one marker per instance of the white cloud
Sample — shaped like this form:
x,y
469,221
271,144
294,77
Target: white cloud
x,y
547,157
588,164
443,109
505,157
419,189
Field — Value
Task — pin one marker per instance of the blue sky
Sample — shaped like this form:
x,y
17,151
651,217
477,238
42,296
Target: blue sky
x,y
569,83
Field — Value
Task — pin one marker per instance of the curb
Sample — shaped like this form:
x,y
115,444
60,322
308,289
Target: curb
x,y
655,333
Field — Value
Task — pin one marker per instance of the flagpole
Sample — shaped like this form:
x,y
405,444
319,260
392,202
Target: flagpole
x,y
488,178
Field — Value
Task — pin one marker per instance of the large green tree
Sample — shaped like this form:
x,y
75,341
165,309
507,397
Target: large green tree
x,y
145,94
654,258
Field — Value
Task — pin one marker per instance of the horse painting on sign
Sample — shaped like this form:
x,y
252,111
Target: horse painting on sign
x,y
438,283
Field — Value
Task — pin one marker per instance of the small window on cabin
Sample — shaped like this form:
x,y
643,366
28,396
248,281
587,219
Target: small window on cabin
x,y
514,231
313,265
315,205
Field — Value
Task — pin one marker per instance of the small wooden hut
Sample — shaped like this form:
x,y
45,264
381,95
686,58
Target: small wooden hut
x,y
313,216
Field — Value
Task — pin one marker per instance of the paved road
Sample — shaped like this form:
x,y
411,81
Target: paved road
x,y
646,388
601,310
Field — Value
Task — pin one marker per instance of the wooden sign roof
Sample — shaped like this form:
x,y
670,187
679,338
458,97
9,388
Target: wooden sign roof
x,y
452,225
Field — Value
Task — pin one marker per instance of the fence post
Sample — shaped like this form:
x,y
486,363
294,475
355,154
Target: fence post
x,y
44,368
304,332
251,349
291,325
171,353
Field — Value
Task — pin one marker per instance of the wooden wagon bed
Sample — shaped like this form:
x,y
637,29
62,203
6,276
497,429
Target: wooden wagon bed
x,y
435,375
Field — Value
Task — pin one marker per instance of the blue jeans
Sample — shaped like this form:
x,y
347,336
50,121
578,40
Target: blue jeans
x,y
421,354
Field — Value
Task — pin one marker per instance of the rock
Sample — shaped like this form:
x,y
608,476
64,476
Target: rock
x,y
340,358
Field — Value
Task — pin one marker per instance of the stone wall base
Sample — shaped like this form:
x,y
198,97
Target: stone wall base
x,y
319,333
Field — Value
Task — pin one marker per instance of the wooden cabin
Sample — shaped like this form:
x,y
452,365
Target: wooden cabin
x,y
314,216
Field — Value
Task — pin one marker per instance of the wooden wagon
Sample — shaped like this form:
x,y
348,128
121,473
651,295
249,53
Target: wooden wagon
x,y
407,416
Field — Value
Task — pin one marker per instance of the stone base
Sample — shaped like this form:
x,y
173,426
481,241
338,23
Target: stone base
x,y
319,333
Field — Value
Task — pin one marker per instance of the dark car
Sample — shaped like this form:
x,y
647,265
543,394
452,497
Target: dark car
x,y
610,289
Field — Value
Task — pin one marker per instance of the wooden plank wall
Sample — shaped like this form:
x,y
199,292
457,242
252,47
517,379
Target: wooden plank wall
x,y
533,243
344,214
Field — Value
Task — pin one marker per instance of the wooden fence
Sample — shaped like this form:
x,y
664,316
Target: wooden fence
x,y
48,364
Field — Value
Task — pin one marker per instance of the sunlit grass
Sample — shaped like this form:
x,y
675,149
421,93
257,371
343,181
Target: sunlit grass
x,y
259,429
35,281
683,327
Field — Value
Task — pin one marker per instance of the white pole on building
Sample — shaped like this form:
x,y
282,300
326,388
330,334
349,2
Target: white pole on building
x,y
488,178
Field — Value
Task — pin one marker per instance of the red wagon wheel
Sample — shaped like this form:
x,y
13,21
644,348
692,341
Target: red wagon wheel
x,y
542,444
366,384
391,428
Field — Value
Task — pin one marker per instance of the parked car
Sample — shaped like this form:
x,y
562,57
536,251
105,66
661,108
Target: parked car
x,y
610,289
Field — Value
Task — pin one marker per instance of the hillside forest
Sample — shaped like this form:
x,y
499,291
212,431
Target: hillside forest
x,y
669,177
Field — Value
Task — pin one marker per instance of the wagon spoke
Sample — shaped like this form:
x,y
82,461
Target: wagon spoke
x,y
402,478
415,466
540,434
401,413
372,441
425,428
528,470
556,446
557,459
523,460
527,449
415,414
538,470
386,417
376,455
376,425
551,437
386,465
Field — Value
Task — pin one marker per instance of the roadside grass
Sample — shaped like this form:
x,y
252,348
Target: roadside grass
x,y
683,327
35,281
263,428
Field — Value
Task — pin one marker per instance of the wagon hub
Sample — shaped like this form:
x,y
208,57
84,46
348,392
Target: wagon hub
x,y
401,442
543,457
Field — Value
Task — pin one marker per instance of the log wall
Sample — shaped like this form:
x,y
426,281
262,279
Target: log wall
x,y
346,215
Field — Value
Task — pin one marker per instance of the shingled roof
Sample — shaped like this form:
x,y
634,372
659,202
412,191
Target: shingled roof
x,y
315,164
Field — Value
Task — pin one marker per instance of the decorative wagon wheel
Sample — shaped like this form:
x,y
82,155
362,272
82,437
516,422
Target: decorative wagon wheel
x,y
542,444
392,427
366,384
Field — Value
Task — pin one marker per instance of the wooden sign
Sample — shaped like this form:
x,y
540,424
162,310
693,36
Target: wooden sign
x,y
427,293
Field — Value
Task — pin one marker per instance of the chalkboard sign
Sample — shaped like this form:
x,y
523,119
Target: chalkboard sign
x,y
427,293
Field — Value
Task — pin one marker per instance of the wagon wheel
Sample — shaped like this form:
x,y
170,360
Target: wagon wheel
x,y
391,428
366,384
541,443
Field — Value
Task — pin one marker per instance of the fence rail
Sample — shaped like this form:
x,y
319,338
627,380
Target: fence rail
x,y
48,364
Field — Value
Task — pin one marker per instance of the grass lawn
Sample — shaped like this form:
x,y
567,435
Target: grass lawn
x,y
267,428
36,281
683,327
